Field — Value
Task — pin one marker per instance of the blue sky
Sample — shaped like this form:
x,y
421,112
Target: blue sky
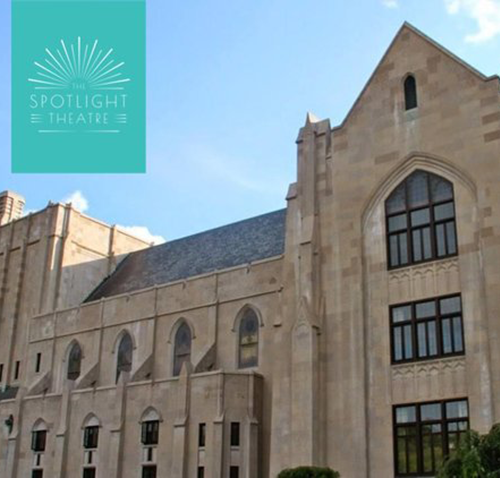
x,y
229,85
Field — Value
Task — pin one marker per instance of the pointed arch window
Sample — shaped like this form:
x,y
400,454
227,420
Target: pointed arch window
x,y
248,355
410,87
182,347
124,359
39,437
74,362
420,215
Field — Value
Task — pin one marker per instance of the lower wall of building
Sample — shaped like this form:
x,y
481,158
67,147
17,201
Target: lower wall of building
x,y
216,399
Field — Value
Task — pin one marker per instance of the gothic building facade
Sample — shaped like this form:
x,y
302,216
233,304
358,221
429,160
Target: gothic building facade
x,y
357,328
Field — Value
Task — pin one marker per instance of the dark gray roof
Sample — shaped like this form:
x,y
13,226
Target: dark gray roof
x,y
228,246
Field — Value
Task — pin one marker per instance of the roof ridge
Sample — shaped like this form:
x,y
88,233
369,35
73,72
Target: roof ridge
x,y
196,234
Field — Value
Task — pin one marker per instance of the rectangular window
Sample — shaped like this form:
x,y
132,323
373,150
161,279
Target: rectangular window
x,y
149,471
89,473
16,370
201,472
235,434
150,431
38,362
38,440
427,329
202,431
425,433
234,472
91,437
37,474
1,372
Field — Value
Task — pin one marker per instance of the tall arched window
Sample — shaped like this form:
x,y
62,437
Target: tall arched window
x,y
248,343
74,362
410,87
124,359
182,347
420,216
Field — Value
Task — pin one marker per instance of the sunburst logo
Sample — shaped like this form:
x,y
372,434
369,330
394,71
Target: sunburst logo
x,y
79,67
79,87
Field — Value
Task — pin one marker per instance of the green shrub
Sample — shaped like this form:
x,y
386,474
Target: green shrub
x,y
309,472
476,457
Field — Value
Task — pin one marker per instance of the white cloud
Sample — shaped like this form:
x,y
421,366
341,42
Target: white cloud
x,y
77,200
390,3
486,13
142,233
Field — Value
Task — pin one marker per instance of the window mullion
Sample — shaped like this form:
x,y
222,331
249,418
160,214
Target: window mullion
x,y
414,329
420,454
439,337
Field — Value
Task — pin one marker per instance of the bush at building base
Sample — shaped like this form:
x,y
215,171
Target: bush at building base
x,y
309,472
476,457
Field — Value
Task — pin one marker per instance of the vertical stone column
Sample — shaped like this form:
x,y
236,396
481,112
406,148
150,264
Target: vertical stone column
x,y
217,456
180,448
305,410
61,446
115,458
251,461
13,442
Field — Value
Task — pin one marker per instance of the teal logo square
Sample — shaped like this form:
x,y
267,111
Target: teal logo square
x,y
78,86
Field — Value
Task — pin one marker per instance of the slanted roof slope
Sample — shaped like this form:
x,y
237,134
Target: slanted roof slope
x,y
240,243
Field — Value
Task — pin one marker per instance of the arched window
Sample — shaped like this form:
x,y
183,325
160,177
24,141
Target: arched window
x,y
74,362
91,433
420,216
39,437
248,343
410,87
150,427
124,359
182,347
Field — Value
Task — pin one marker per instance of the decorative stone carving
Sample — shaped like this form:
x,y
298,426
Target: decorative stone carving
x,y
424,280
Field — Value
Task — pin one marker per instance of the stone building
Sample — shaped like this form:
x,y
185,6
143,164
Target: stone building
x,y
357,328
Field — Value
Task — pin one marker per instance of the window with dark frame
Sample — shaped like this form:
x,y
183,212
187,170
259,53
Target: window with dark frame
x,y
91,437
149,432
410,90
74,362
1,372
124,359
38,362
234,472
89,473
235,434
420,220
248,355
37,474
182,348
17,369
149,471
202,435
38,440
201,472
424,433
427,329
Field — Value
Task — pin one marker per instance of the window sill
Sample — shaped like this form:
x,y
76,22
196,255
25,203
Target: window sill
x,y
437,260
429,361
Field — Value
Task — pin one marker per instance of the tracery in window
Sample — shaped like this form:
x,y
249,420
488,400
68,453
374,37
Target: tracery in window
x,y
248,355
74,362
420,215
125,353
182,347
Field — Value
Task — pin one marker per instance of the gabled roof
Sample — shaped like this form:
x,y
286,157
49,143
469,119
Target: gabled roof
x,y
409,27
240,243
